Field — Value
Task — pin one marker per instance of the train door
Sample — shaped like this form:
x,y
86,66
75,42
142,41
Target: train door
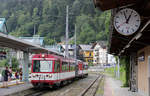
x,y
57,69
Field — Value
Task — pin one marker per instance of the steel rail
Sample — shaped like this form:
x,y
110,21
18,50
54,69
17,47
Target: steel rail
x,y
86,90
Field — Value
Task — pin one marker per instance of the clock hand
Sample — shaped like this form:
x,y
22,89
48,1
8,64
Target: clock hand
x,y
129,17
125,15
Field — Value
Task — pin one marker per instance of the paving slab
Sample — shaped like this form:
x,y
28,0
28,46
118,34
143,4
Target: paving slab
x,y
114,87
13,88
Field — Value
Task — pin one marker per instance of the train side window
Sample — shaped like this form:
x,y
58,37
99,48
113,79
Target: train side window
x,y
57,66
65,66
72,67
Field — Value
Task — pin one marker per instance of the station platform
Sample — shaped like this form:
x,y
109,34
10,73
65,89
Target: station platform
x,y
113,87
13,88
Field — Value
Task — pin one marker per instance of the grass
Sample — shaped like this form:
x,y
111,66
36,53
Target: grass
x,y
100,91
111,72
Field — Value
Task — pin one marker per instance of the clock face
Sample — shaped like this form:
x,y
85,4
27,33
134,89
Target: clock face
x,y
127,21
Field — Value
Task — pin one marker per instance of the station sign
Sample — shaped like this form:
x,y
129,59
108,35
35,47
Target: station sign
x,y
141,57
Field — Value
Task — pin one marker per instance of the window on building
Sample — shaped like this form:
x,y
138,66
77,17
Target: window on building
x,y
90,54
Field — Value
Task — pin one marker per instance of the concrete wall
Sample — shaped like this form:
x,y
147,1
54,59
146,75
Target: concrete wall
x,y
143,72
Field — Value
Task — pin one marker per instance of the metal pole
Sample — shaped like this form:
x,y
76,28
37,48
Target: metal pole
x,y
34,29
10,57
118,75
106,57
66,49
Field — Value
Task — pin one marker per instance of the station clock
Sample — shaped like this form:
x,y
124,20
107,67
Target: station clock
x,y
127,21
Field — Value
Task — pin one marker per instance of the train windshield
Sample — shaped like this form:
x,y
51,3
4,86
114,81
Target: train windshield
x,y
42,66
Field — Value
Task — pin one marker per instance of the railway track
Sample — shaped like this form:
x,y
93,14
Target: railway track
x,y
93,88
81,87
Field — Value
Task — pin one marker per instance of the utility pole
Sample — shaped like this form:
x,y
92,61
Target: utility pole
x,y
34,29
66,43
76,72
75,52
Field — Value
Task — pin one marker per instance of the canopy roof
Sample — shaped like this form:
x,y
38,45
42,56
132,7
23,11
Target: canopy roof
x,y
19,44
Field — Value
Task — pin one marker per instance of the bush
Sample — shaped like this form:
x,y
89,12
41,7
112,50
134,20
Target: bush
x,y
4,63
15,63
90,64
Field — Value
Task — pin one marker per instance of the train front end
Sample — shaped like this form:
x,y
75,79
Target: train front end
x,y
42,70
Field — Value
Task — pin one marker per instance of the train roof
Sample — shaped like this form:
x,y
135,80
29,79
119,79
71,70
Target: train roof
x,y
56,57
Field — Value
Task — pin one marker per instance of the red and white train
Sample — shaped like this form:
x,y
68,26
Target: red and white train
x,y
50,70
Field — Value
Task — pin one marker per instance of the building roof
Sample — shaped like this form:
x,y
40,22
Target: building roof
x,y
70,46
55,48
85,47
35,39
101,43
3,28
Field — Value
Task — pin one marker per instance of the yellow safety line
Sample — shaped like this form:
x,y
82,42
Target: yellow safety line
x,y
113,92
13,84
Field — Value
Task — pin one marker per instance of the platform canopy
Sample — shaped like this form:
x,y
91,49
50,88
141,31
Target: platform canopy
x,y
19,44
124,45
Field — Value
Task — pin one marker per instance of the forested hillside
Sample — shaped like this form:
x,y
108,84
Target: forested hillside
x,y
48,19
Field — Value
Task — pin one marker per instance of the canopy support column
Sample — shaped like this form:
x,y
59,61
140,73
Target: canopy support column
x,y
26,67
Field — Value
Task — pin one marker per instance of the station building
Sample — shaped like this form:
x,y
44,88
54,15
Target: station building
x,y
136,46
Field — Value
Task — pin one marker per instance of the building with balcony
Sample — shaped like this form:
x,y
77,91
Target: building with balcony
x,y
86,53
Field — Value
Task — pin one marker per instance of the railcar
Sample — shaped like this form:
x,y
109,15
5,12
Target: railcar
x,y
52,70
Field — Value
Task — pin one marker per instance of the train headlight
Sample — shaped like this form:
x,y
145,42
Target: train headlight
x,y
50,75
43,55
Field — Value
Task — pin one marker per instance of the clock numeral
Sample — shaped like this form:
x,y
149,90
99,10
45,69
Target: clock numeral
x,y
137,20
136,25
117,16
121,13
132,29
135,15
122,30
116,22
127,31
